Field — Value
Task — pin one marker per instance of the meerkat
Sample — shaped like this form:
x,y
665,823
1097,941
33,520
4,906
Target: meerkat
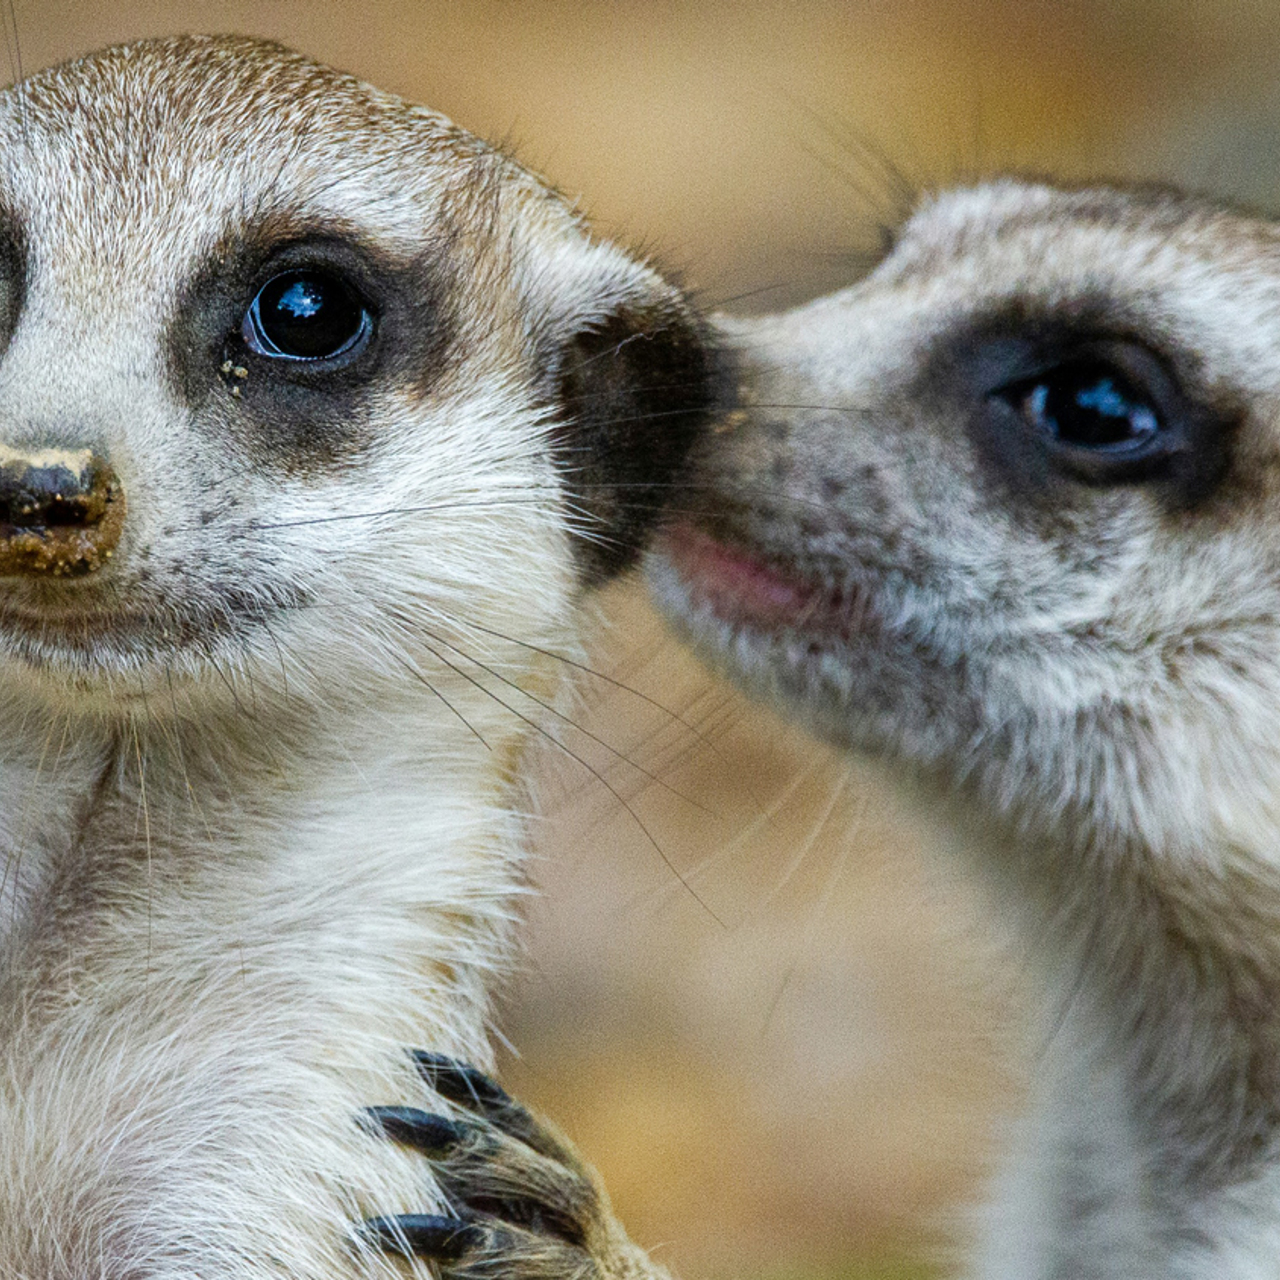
x,y
318,417
1006,516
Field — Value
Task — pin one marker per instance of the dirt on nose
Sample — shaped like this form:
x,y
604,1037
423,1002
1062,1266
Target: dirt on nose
x,y
61,512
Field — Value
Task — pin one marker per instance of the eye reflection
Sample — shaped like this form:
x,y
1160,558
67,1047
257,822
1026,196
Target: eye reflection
x,y
306,314
1089,405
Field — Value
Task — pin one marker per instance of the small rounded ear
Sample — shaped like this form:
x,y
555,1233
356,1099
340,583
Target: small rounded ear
x,y
637,382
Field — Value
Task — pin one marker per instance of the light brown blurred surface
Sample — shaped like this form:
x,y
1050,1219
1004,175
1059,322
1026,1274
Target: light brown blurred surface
x,y
782,1041
795,1056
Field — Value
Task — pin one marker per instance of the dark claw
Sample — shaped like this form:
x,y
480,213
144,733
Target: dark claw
x,y
459,1082
425,1235
464,1085
431,1134
526,1204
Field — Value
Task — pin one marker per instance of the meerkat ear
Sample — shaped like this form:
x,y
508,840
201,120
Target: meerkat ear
x,y
635,384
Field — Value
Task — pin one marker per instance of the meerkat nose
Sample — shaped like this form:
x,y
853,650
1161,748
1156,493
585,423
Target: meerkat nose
x,y
61,512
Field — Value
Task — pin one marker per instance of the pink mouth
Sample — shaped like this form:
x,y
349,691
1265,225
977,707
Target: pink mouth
x,y
743,589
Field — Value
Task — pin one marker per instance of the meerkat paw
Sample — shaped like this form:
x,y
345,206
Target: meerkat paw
x,y
525,1206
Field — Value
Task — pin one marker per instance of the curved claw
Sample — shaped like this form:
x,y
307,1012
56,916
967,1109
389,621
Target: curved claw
x,y
528,1209
466,1086
424,1235
423,1130
459,1081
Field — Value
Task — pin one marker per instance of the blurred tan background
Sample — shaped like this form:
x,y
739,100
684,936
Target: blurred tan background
x,y
786,1043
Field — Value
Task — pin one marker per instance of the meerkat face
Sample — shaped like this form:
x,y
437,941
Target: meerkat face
x,y
1007,510
291,369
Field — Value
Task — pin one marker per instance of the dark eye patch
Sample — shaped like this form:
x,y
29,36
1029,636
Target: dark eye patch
x,y
1083,398
15,267
1088,404
290,327
1102,410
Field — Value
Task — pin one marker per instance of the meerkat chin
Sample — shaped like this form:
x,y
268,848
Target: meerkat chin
x,y
1006,515
317,417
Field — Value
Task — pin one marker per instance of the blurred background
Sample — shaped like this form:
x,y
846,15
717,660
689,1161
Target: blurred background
x,y
787,1037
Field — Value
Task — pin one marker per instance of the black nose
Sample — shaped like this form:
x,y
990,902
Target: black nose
x,y
61,512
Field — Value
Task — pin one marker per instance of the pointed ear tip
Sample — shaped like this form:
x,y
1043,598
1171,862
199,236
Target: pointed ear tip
x,y
593,277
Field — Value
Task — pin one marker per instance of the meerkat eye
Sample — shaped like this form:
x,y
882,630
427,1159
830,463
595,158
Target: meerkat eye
x,y
306,314
1071,401
1087,404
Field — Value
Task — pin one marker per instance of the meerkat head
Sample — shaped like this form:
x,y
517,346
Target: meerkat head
x,y
291,369
1009,511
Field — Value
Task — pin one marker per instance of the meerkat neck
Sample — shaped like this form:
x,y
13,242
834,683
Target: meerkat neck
x,y
220,935
1156,1078
323,856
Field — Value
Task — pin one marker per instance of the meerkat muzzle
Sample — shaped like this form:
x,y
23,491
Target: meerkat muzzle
x,y
61,512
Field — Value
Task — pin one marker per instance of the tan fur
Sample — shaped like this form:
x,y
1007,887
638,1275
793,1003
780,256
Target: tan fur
x,y
1075,667
261,810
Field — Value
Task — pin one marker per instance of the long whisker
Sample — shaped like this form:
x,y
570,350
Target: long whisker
x,y
144,810
546,733
895,193
383,513
612,681
622,504
710,302
824,900
13,48
412,669
13,864
560,715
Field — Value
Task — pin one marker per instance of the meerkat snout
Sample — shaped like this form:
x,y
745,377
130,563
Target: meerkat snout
x,y
61,512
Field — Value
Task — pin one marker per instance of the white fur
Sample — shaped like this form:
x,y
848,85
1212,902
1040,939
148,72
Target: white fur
x,y
1081,683
249,860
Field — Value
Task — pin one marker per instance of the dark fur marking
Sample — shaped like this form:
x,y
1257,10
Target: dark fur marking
x,y
16,269
299,415
973,361
634,395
